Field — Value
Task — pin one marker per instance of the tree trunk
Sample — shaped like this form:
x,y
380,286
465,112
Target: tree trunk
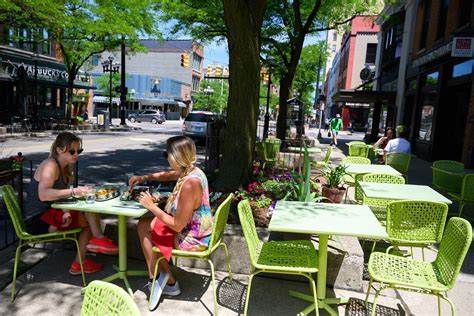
x,y
243,20
70,90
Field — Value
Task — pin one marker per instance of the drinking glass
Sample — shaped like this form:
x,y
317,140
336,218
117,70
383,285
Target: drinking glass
x,y
128,175
90,194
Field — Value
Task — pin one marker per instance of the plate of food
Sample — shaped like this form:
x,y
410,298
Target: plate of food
x,y
106,193
133,195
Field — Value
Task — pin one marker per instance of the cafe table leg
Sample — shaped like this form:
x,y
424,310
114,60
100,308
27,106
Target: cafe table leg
x,y
321,284
122,272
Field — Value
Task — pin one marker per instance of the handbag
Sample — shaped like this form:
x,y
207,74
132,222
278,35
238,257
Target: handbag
x,y
329,134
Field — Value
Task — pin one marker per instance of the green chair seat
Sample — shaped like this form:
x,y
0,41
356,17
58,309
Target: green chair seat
x,y
103,298
400,162
25,238
218,228
298,257
434,278
358,149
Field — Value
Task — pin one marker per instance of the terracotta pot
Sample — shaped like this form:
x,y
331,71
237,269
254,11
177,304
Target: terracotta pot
x,y
260,215
334,195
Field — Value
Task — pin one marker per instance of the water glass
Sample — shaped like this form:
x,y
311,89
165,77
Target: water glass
x,y
90,194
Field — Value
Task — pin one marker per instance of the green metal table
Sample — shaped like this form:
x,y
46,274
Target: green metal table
x,y
325,219
122,209
390,191
354,169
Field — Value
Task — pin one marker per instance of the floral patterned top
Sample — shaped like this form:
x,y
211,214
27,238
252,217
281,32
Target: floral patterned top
x,y
196,235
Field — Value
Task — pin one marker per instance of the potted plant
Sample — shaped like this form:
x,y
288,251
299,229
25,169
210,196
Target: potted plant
x,y
10,167
333,188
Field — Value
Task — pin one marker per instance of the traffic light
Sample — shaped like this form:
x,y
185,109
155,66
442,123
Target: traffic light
x,y
184,60
266,77
218,70
209,70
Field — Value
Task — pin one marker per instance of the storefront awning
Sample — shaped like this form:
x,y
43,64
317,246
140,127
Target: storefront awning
x,y
364,96
153,101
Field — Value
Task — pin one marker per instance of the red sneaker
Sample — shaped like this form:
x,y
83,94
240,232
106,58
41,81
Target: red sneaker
x,y
88,265
102,245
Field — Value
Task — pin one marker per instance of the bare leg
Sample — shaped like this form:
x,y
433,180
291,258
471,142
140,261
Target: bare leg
x,y
145,226
94,223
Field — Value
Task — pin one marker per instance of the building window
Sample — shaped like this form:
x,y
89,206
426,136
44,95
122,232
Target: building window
x,y
426,122
197,62
425,23
370,53
463,69
95,60
334,37
333,48
442,17
465,9
431,79
196,83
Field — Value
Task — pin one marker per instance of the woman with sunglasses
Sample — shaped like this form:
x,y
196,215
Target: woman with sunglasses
x,y
187,213
53,179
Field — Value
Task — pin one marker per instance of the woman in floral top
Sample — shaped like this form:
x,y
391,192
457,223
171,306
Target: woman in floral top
x,y
187,213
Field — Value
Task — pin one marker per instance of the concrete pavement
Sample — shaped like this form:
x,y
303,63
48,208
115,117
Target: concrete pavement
x,y
46,288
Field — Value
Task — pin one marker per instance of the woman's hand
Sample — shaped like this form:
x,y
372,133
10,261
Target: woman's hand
x,y
67,219
135,180
147,200
79,191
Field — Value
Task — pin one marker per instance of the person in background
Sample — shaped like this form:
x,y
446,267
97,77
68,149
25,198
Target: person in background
x,y
335,125
380,145
399,144
53,181
326,124
187,213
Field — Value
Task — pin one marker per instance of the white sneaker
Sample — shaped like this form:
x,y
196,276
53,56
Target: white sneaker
x,y
157,290
172,290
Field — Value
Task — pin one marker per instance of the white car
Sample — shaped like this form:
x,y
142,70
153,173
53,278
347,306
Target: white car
x,y
195,124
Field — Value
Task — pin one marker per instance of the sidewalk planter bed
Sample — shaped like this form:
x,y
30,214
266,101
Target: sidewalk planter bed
x,y
10,168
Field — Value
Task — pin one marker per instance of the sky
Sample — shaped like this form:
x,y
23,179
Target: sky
x,y
217,53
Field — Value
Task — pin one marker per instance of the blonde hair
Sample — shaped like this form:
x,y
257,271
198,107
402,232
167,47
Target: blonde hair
x,y
182,151
65,141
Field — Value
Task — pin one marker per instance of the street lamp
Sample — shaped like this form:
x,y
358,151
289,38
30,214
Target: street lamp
x,y
111,67
266,122
208,91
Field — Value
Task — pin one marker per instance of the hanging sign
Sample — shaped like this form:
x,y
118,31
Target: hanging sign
x,y
462,47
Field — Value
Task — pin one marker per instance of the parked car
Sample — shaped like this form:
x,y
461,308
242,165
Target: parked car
x,y
153,116
195,124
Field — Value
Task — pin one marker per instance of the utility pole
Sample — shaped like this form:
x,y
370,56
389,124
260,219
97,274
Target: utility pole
x,y
316,96
123,88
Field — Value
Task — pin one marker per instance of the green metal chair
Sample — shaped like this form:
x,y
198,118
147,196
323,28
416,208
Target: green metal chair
x,y
433,278
219,225
378,206
466,197
447,182
25,238
271,150
103,298
358,150
298,257
400,162
415,223
348,179
325,162
260,152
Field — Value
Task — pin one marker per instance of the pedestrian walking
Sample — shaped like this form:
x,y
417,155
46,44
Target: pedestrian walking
x,y
335,125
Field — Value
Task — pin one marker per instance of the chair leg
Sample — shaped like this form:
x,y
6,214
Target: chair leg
x,y
15,268
423,253
453,308
374,305
312,285
213,280
227,259
248,294
368,292
80,262
373,246
461,207
439,305
154,279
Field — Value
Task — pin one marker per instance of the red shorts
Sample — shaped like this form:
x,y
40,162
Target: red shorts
x,y
54,217
163,237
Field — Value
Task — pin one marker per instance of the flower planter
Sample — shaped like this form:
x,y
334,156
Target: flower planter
x,y
334,195
8,175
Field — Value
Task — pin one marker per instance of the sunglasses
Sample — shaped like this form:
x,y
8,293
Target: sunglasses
x,y
165,154
72,152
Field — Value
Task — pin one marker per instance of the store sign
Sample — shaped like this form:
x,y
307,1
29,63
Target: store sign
x,y
433,55
462,47
46,72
